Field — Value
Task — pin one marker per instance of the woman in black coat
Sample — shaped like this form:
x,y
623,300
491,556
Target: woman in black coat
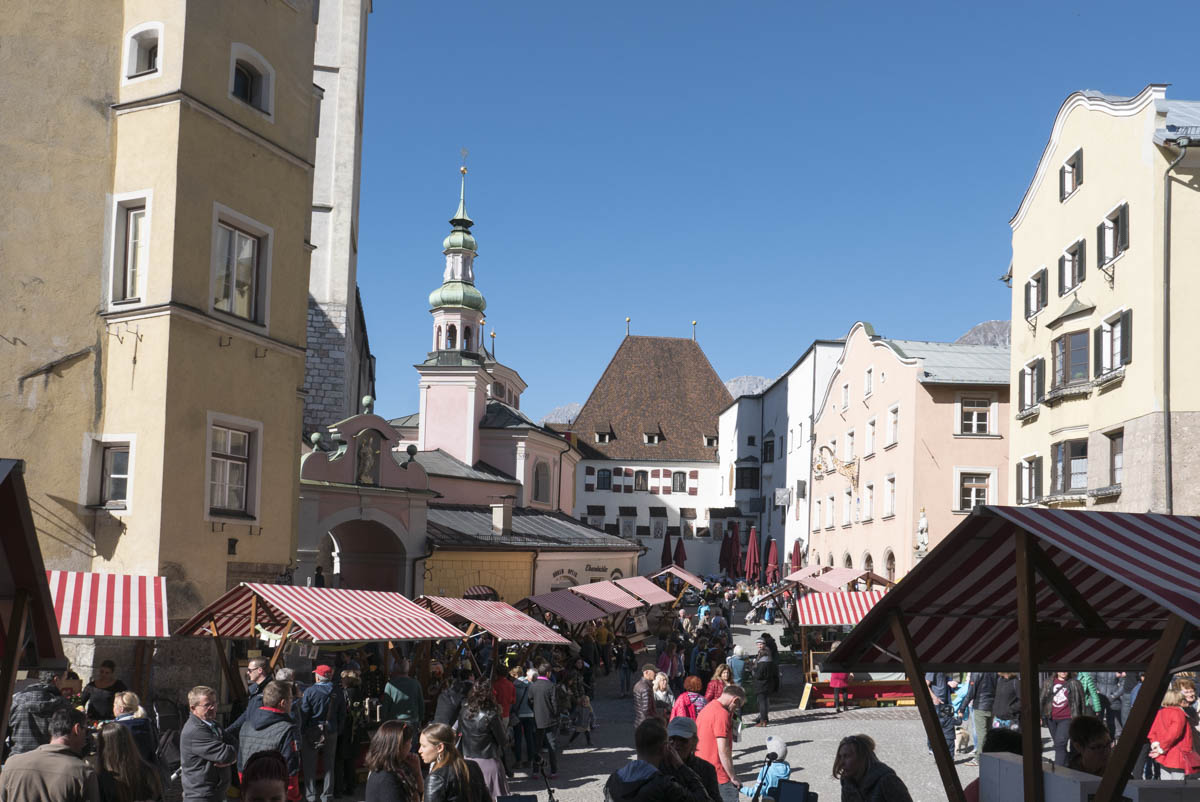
x,y
1007,707
393,776
451,778
484,740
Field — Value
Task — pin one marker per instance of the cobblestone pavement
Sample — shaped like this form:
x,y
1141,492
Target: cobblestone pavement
x,y
812,737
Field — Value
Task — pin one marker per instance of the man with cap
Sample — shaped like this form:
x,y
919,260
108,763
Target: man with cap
x,y
643,695
777,768
681,733
322,713
657,774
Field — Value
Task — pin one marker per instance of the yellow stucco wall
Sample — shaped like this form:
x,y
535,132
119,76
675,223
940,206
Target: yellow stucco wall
x,y
450,573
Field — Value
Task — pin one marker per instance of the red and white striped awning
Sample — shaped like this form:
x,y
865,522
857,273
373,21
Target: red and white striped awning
x,y
801,573
686,576
321,615
645,590
960,602
109,605
566,605
504,622
608,596
841,608
484,592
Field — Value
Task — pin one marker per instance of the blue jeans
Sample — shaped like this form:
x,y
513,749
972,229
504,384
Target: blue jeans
x,y
523,738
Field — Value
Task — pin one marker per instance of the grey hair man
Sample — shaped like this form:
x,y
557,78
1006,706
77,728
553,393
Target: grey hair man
x,y
55,771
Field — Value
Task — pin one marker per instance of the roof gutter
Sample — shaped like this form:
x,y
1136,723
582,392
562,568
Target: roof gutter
x,y
1169,482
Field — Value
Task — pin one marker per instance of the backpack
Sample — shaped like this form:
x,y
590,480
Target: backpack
x,y
689,705
167,719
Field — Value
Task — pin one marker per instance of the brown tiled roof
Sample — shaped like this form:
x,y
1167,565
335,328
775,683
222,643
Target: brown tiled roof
x,y
654,385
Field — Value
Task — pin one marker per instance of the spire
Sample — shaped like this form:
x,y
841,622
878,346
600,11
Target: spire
x,y
458,279
460,237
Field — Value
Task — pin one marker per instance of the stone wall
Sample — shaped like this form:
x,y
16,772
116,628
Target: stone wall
x,y
1142,486
450,573
326,400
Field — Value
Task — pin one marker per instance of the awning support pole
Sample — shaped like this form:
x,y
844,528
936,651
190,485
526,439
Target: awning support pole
x,y
12,653
236,689
1174,638
1031,714
941,751
283,636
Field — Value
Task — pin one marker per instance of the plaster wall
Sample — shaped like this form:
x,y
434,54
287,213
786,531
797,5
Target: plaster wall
x,y
450,417
450,573
555,570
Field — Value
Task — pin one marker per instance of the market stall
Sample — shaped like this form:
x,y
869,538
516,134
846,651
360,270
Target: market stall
x,y
619,603
504,623
683,576
1025,589
574,611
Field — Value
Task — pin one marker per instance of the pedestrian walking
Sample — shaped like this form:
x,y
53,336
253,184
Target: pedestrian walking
x,y
981,696
129,714
322,711
392,775
626,661
722,676
54,771
940,686
691,701
122,774
839,683
524,729
270,728
353,734
644,703
664,699
403,697
484,739
451,777
863,776
32,708
737,665
714,730
204,755
256,680
583,718
1062,700
1110,685
766,682
658,774
1006,708
542,697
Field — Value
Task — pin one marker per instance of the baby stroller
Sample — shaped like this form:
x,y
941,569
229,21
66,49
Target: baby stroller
x,y
753,616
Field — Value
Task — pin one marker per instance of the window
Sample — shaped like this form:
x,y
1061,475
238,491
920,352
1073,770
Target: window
x,y
497,387
1070,355
1114,342
604,437
130,246
869,438
141,50
641,480
652,438
541,482
784,446
229,470
868,501
1032,384
1070,175
134,258
466,338
847,506
237,272
829,512
679,482
1068,466
972,490
1071,267
750,440
890,567
1035,293
746,479
845,395
848,446
1116,457
451,337
1029,480
252,79
893,425
114,482
975,413
868,563
889,496
868,382
816,515
1112,235
710,441
604,479
247,83
768,449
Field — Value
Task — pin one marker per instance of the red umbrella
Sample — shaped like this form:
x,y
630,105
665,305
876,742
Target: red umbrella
x,y
666,554
753,556
772,562
723,557
680,553
734,558
796,556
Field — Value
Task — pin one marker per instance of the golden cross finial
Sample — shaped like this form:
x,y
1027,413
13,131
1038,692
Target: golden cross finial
x,y
463,168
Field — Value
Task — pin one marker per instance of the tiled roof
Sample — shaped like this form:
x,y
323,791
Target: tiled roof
x,y
957,363
500,415
406,421
654,385
439,463
1183,119
470,526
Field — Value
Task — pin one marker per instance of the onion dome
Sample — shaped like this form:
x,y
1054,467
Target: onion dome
x,y
457,293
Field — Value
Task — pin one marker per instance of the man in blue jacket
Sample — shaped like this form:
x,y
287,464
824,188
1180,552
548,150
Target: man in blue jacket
x,y
322,713
270,728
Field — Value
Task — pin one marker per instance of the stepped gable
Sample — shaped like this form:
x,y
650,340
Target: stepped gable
x,y
654,385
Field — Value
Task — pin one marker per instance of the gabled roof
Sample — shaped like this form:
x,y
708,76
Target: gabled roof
x,y
470,526
412,420
439,463
654,385
956,363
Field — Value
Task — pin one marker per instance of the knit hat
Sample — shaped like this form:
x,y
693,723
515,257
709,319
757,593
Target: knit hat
x,y
682,727
778,746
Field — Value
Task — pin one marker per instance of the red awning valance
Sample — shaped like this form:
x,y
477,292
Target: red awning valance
x,y
842,608
109,605
504,622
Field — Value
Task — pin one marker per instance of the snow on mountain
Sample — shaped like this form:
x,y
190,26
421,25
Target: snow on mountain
x,y
564,414
990,332
747,385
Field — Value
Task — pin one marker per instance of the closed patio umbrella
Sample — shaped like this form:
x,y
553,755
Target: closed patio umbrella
x,y
680,553
734,559
753,556
666,552
796,555
772,562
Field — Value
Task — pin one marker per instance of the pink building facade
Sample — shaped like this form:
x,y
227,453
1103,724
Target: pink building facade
x,y
909,437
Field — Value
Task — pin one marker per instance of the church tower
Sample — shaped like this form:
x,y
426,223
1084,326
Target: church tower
x,y
454,379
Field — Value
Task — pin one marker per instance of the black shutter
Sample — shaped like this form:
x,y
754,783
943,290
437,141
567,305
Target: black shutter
x,y
1037,479
1062,182
1078,167
1062,275
1028,310
1020,488
1039,372
1101,256
1098,339
1043,280
1054,487
1126,336
1123,228
1081,259
1021,389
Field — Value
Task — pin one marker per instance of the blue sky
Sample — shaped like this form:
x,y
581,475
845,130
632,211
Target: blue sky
x,y
774,170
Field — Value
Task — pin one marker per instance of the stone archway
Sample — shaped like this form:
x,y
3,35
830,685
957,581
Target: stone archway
x,y
366,555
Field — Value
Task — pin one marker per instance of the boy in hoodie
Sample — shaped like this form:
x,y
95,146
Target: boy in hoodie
x,y
32,708
770,775
270,728
644,779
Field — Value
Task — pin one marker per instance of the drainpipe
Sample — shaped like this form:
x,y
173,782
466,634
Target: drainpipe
x,y
1182,143
558,492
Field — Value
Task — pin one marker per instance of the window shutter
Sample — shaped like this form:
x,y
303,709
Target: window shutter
x,y
1062,274
1020,487
1123,228
1098,339
1042,282
1062,182
1021,389
1081,259
1037,479
1079,167
1028,310
1126,336
1039,373
1101,256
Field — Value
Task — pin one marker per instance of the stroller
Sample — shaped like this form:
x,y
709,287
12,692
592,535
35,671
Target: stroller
x,y
753,616
168,718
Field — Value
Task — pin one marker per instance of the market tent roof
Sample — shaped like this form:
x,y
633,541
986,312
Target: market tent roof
x,y
1105,584
504,622
646,590
843,608
835,578
686,576
807,571
607,595
566,605
109,605
322,615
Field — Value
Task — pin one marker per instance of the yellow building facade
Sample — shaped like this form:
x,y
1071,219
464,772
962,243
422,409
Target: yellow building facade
x,y
160,163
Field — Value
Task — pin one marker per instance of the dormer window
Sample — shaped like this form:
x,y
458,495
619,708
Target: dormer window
x,y
710,441
604,437
141,50
652,438
1070,175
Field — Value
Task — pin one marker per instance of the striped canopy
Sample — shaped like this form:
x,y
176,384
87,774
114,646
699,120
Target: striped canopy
x,y
1105,584
504,622
686,576
109,605
646,590
566,605
608,596
321,615
843,608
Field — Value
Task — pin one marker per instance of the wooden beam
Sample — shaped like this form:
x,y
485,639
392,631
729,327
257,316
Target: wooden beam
x,y
1168,652
1062,587
1031,714
14,639
929,716
283,636
253,617
236,688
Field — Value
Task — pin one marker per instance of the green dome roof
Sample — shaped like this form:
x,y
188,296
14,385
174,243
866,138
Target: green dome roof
x,y
457,293
459,238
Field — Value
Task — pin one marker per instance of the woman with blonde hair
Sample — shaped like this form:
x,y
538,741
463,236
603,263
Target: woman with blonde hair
x,y
664,700
722,676
123,775
863,776
1171,742
451,777
129,714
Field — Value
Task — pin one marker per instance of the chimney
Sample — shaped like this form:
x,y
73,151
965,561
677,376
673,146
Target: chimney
x,y
502,516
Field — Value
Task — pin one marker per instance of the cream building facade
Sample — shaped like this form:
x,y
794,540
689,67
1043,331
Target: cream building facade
x,y
1106,413
909,436
159,160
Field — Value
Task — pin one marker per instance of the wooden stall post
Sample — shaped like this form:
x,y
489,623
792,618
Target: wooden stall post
x,y
236,688
1031,714
12,653
287,630
941,752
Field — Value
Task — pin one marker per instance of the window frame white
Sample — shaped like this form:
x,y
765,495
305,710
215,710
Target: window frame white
x,y
869,441
114,273
830,511
893,425
1115,472
1073,273
993,410
847,506
845,395
869,381
848,446
240,51
224,216
1112,335
133,46
545,497
1070,166
253,471
990,494
604,437
868,501
889,495
817,515
1030,399
91,480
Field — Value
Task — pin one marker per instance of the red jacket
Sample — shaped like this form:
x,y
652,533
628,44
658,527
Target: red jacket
x,y
1174,735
